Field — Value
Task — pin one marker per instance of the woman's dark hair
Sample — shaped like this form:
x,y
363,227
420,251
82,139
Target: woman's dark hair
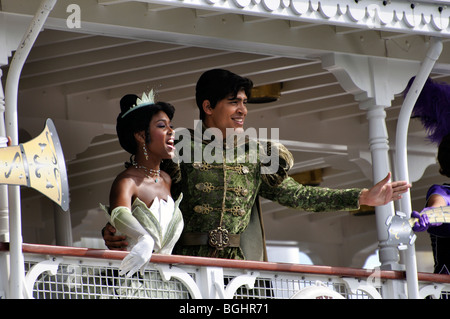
x,y
444,156
215,85
137,120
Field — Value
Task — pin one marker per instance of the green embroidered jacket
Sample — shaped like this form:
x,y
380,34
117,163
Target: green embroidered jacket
x,y
226,194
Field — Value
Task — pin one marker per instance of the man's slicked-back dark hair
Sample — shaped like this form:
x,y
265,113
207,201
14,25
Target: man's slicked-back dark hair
x,y
217,84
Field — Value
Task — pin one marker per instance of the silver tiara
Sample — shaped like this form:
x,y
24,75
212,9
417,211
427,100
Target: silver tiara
x,y
146,99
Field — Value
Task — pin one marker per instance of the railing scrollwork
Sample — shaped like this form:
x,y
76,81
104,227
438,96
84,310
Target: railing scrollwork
x,y
317,291
50,265
168,272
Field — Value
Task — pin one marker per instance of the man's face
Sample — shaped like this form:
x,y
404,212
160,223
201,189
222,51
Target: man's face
x,y
228,113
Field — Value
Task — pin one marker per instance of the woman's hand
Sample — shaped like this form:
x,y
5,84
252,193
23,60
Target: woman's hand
x,y
138,257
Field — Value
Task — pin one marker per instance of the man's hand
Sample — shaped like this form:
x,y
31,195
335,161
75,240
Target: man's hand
x,y
383,192
112,241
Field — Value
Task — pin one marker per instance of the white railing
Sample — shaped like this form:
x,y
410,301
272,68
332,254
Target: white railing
x,y
55,272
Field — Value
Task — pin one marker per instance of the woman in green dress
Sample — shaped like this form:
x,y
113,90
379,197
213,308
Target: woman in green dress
x,y
140,203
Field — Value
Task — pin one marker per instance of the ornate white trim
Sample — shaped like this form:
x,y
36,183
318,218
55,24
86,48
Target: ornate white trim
x,y
394,15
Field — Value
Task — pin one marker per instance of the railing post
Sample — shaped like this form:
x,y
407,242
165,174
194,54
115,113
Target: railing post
x,y
211,282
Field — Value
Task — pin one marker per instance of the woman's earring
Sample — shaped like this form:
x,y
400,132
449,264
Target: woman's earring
x,y
145,151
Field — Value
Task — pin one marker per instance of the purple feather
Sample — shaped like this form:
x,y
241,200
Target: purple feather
x,y
433,109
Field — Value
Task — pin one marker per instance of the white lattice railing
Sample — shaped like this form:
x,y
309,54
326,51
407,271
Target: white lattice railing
x,y
54,272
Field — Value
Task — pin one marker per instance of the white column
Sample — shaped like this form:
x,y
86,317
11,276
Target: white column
x,y
4,221
374,82
433,54
379,149
17,271
8,42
